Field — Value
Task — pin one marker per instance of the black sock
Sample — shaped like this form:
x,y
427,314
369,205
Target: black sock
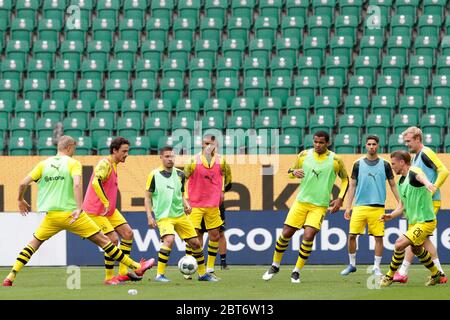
x,y
223,257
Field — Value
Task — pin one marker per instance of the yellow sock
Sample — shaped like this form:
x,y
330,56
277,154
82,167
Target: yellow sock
x,y
188,250
213,247
396,261
22,259
109,267
163,257
303,253
125,246
280,248
198,255
115,253
425,259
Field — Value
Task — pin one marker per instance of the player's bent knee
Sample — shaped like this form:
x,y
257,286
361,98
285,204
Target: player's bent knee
x,y
194,243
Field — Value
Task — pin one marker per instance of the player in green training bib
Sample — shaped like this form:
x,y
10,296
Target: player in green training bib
x,y
416,195
60,197
318,168
166,207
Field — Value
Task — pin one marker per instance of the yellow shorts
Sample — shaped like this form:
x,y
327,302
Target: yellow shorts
x,y
417,233
370,216
437,206
210,215
305,214
181,225
56,221
109,223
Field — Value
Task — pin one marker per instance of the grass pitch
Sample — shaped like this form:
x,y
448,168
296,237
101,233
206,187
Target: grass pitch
x,y
238,283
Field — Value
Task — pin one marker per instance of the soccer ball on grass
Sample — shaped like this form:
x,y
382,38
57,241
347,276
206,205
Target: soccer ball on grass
x,y
187,265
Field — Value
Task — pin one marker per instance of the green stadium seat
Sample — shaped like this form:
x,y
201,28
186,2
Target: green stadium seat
x,y
107,109
315,47
288,144
74,127
306,86
228,67
351,124
207,49
211,29
265,124
407,8
402,25
292,27
26,109
393,66
384,105
443,65
184,29
243,107
6,8
321,122
239,28
77,30
259,142
281,67
271,8
119,69
255,67
288,48
426,46
360,86
100,127
72,51
49,29
378,124
324,8
183,123
331,86
396,143
103,143
188,108
280,87
144,89
399,46
429,25
411,105
293,125
117,89
22,126
243,8
130,30
347,25
309,66
6,111
421,66
308,141
447,143
163,9
216,9
270,106
298,106
35,89
140,145
160,108
158,29
79,109
260,48
103,29
18,50
171,89
93,69
371,46
326,105
384,7
22,29
433,124
133,108
135,9
180,144
239,122
39,69
200,68
265,27
200,89
89,90
45,50
61,89
53,109
342,46
440,86
337,66
147,69
346,143
9,89
255,87
234,49
190,9
438,105
319,26
434,7
416,85
12,69
403,122
84,146
388,86
99,50
20,146
66,70
46,145
180,50
227,88
215,107
129,126
210,122
155,128
85,9
108,9
126,50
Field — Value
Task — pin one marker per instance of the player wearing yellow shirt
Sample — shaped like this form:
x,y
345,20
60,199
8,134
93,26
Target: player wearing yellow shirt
x,y
318,168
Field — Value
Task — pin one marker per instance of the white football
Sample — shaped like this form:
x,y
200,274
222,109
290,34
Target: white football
x,y
187,265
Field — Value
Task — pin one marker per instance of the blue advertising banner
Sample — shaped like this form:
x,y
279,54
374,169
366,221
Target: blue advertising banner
x,y
252,236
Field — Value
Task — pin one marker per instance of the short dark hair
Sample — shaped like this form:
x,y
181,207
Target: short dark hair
x,y
402,155
322,134
165,148
117,143
373,137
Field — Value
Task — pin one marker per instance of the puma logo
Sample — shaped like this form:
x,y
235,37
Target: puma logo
x,y
56,167
372,175
315,173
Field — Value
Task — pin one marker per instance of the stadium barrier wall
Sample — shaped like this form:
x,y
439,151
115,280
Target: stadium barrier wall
x,y
260,182
252,235
16,231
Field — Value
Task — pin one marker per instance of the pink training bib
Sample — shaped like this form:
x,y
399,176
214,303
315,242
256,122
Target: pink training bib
x,y
92,203
205,185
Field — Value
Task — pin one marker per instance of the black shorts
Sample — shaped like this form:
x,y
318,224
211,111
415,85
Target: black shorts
x,y
222,216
